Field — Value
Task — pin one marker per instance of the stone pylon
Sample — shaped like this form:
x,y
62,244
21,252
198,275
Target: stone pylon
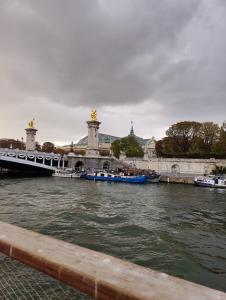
x,y
93,135
30,136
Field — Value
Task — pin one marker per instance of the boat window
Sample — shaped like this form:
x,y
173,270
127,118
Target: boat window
x,y
109,175
101,174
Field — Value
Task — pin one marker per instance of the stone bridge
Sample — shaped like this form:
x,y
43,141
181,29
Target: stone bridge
x,y
80,162
29,162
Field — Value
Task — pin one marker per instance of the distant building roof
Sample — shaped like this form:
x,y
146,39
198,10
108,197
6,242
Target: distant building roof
x,y
103,138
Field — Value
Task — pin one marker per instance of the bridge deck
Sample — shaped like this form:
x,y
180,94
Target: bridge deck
x,y
10,161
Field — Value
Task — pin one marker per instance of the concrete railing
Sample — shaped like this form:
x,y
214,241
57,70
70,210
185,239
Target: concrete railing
x,y
98,275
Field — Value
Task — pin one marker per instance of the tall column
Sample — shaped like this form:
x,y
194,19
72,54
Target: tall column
x,y
30,136
93,135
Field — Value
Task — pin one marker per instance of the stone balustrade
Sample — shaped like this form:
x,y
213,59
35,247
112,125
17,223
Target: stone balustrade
x,y
50,159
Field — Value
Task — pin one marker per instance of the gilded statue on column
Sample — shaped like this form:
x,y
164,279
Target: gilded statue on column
x,y
31,123
93,115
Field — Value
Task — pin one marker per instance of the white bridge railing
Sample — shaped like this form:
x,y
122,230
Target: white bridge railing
x,y
32,157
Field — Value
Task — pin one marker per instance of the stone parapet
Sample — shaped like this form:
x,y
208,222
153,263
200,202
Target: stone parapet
x,y
99,275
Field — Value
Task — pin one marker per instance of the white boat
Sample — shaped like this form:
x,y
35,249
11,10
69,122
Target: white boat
x,y
215,181
153,177
66,173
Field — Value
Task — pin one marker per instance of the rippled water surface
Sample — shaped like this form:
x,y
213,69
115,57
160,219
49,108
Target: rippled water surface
x,y
178,229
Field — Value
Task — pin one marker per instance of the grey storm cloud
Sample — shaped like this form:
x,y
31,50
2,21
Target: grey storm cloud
x,y
103,53
89,51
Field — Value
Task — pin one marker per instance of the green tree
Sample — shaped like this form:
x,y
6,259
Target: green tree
x,y
219,170
115,147
38,146
129,145
193,140
48,147
59,150
182,135
209,134
167,147
159,148
11,143
220,146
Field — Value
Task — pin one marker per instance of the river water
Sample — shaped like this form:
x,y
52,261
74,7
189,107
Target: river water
x,y
177,229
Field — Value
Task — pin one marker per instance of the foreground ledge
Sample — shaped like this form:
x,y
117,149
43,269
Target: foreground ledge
x,y
98,275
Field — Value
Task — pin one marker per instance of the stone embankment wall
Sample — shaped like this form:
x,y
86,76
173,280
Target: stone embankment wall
x,y
177,179
177,166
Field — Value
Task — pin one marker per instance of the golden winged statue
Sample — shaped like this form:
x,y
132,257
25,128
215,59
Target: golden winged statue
x,y
31,123
93,115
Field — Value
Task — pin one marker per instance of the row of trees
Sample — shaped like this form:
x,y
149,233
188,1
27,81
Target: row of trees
x,y
48,147
11,143
187,139
193,140
16,144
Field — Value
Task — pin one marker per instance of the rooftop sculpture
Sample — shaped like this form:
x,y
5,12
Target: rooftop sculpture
x,y
93,115
31,124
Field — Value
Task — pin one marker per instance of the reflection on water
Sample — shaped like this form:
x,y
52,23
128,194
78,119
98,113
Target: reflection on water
x,y
178,229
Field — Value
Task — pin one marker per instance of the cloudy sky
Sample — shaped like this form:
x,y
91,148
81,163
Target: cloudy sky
x,y
155,62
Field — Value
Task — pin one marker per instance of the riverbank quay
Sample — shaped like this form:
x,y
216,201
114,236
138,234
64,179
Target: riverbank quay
x,y
99,275
176,166
180,179
165,178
